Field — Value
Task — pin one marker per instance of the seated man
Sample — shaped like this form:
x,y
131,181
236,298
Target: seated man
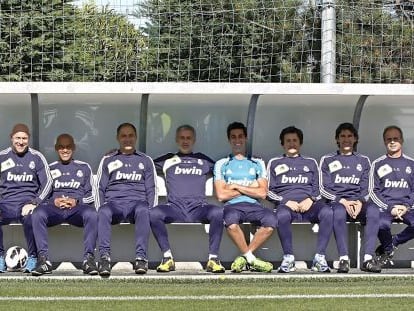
x,y
240,181
127,190
344,183
294,188
25,182
392,190
186,174
71,201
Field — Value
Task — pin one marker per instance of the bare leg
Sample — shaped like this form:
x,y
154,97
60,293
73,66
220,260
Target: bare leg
x,y
261,235
237,235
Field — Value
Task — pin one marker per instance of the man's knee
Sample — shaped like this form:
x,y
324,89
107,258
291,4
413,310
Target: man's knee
x,y
216,213
267,230
156,214
283,215
233,227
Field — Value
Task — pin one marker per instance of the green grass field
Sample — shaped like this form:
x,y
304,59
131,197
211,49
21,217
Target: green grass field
x,y
225,293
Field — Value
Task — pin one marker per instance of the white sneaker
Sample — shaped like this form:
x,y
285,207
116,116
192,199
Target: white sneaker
x,y
319,264
288,264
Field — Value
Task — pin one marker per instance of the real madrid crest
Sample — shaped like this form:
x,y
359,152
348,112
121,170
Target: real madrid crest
x,y
306,169
32,165
408,170
141,166
79,173
359,167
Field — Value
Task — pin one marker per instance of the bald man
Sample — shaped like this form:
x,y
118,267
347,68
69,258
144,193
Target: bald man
x,y
71,201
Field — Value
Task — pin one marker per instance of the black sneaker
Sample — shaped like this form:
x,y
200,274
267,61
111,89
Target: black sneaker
x,y
43,266
104,267
371,266
343,266
141,266
89,265
385,257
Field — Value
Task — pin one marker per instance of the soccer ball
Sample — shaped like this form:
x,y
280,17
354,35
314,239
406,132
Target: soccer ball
x,y
16,257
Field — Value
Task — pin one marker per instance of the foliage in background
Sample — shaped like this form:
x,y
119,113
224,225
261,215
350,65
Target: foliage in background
x,y
56,41
231,41
374,43
214,41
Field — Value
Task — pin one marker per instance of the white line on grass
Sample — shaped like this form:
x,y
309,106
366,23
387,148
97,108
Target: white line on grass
x,y
216,297
227,276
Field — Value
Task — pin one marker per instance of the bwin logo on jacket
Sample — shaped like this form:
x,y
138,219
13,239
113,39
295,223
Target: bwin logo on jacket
x,y
128,176
19,177
396,183
294,179
188,171
346,179
66,184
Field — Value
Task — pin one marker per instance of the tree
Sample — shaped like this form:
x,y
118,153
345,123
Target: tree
x,y
56,41
105,47
32,39
373,44
228,41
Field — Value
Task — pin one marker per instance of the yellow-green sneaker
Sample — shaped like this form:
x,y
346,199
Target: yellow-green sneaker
x,y
214,266
260,265
239,264
167,264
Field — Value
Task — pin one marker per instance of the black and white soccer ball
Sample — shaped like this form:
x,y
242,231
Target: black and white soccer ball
x,y
16,258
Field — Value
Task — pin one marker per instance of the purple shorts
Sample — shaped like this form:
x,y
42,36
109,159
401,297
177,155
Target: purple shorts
x,y
254,213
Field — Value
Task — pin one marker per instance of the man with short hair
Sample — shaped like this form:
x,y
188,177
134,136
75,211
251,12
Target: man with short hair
x,y
71,201
127,190
186,173
240,181
392,190
25,182
344,176
294,189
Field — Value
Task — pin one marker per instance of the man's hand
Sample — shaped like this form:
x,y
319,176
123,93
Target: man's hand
x,y
232,187
398,211
28,209
353,208
65,202
305,205
293,205
357,207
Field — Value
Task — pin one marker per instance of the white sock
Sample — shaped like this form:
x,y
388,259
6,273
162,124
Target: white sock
x,y
211,256
344,257
367,257
168,254
249,257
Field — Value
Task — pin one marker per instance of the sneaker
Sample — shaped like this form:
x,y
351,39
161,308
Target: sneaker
x,y
239,264
141,266
104,266
287,265
343,266
260,265
3,267
30,264
371,266
319,264
89,265
167,264
214,266
385,256
43,266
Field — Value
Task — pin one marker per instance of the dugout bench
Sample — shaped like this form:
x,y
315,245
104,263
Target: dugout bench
x,y
189,242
